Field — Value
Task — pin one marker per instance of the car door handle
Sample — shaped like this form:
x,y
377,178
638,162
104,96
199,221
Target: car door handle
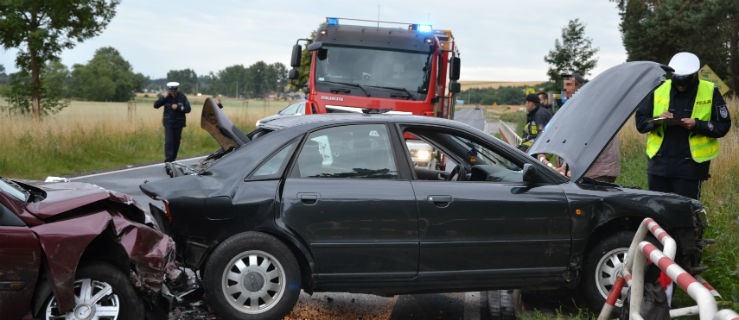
x,y
440,201
308,198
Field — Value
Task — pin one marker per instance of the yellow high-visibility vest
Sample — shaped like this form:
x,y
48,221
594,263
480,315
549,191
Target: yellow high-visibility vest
x,y
702,148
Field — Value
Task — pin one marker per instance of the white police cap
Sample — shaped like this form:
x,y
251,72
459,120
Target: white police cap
x,y
173,84
684,63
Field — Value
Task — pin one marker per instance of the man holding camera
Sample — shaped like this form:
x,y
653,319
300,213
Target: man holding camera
x,y
175,107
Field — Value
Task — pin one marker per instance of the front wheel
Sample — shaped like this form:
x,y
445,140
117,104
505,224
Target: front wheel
x,y
252,276
101,291
602,263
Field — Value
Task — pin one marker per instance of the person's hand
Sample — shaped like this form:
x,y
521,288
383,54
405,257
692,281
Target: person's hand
x,y
175,106
666,114
687,123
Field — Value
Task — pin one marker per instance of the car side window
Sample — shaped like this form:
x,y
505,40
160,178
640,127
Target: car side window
x,y
454,157
353,151
8,218
272,167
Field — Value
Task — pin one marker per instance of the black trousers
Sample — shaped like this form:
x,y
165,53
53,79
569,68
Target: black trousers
x,y
172,136
690,188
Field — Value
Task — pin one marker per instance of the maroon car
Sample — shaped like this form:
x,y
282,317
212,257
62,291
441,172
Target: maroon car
x,y
77,251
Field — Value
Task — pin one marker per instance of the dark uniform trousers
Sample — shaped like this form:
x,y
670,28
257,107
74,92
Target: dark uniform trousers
x,y
172,138
685,187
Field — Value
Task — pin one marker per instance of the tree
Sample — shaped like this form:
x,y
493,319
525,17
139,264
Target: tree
x,y
107,77
42,29
256,85
573,54
53,87
277,74
187,78
230,81
656,30
3,76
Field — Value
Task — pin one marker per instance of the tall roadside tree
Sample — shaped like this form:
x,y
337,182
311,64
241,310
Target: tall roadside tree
x,y
54,84
41,29
656,30
574,52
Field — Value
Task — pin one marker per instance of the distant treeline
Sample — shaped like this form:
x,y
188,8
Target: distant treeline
x,y
109,77
490,96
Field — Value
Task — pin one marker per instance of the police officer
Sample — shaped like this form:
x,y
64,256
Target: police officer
x,y
683,118
536,118
175,107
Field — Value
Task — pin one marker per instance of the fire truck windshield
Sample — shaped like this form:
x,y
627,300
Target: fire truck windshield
x,y
379,73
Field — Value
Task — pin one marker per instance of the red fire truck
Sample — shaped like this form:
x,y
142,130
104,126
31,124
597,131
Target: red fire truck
x,y
409,69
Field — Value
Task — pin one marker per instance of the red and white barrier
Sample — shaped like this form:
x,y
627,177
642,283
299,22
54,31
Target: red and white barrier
x,y
642,252
624,275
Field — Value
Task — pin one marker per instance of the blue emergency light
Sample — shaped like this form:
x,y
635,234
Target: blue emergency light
x,y
423,28
332,21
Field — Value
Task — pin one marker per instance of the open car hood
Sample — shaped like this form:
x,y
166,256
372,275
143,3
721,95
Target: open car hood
x,y
582,128
213,120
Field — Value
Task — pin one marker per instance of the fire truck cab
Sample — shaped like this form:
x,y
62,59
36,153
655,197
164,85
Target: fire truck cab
x,y
411,69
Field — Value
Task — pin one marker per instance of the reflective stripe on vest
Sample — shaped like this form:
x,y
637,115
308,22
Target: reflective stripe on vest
x,y
702,148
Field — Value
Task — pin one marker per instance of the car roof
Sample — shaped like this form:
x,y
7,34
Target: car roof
x,y
318,120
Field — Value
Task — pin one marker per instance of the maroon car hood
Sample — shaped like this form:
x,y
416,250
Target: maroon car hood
x,y
65,196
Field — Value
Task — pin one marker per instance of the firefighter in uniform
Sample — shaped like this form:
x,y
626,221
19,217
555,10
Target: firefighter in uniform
x,y
173,119
537,118
683,118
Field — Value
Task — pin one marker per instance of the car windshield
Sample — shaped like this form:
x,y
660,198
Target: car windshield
x,y
13,189
373,72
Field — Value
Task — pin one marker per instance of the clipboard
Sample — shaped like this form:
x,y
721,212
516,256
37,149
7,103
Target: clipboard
x,y
665,121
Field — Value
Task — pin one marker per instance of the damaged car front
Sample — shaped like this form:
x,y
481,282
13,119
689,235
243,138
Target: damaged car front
x,y
75,250
578,134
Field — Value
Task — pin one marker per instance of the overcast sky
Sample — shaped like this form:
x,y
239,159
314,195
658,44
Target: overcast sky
x,y
498,40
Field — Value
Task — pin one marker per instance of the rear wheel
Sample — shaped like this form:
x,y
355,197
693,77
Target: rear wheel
x,y
101,291
252,276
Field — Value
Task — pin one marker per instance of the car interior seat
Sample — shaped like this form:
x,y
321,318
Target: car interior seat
x,y
310,161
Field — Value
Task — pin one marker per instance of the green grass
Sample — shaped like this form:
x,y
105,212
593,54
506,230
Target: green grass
x,y
91,136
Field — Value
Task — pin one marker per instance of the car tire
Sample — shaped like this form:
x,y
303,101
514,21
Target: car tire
x,y
92,279
252,276
602,263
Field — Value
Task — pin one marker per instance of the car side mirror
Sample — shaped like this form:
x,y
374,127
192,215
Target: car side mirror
x,y
530,174
293,74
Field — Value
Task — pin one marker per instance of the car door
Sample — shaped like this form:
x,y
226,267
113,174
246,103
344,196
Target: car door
x,y
20,258
483,221
346,200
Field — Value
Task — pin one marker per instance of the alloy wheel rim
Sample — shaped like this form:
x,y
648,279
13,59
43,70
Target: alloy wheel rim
x,y
94,300
253,282
607,270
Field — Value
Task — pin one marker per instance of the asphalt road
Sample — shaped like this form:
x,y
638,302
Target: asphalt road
x,y
461,306
473,117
